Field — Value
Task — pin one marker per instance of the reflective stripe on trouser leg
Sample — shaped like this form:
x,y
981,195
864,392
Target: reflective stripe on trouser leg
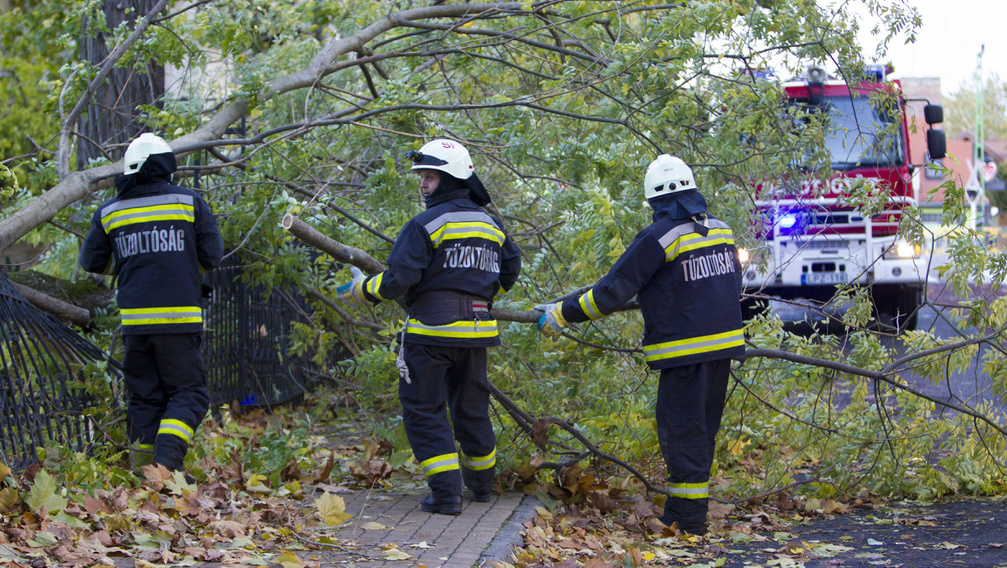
x,y
690,403
424,415
182,378
469,398
478,472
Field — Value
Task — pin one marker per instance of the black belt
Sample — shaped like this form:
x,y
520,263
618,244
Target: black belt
x,y
447,306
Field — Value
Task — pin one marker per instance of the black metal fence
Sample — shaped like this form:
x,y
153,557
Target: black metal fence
x,y
43,363
246,341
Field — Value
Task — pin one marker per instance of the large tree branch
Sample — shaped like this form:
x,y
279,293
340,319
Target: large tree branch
x,y
62,310
75,186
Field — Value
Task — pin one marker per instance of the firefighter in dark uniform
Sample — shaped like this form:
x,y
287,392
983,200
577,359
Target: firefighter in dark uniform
x,y
685,272
448,262
156,238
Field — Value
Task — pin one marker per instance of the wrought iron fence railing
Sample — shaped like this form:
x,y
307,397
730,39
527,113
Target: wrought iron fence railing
x,y
44,363
43,366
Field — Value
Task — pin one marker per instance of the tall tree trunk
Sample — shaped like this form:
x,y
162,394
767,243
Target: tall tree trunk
x,y
112,118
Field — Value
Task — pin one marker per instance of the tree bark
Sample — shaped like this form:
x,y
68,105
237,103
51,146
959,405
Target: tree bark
x,y
112,120
67,313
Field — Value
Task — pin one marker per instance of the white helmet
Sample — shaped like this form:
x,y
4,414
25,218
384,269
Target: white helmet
x,y
140,149
445,155
667,174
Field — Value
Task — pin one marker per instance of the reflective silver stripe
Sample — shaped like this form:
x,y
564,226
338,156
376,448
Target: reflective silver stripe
x,y
138,316
176,428
460,329
167,199
458,217
589,307
693,345
684,238
480,463
438,464
148,209
689,490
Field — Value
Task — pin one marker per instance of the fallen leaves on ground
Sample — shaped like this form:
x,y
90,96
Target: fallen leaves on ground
x,y
232,517
594,524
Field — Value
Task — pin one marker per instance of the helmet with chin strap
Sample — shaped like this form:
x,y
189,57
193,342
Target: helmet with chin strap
x,y
666,175
444,155
142,148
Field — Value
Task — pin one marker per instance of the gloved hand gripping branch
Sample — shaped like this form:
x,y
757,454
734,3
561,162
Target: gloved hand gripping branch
x,y
552,321
353,291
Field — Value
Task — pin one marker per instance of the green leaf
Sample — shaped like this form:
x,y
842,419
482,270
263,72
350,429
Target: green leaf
x,y
43,495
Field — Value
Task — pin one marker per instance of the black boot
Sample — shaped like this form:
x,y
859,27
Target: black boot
x,y
480,483
451,505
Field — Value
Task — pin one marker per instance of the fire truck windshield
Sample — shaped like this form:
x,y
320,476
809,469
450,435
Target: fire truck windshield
x,y
858,134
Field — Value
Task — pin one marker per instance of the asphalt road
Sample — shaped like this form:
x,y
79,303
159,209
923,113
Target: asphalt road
x,y
971,387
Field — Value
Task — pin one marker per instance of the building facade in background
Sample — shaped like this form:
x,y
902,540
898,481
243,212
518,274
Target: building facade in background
x,y
958,163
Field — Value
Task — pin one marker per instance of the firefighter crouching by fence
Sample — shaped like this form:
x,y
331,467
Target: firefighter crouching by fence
x,y
156,238
449,262
685,271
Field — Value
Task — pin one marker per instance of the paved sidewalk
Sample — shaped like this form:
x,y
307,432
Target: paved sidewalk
x,y
387,527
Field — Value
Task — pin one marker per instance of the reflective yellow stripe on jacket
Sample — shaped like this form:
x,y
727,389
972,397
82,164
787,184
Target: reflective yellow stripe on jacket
x,y
147,316
463,225
374,284
457,330
684,238
589,307
693,345
168,207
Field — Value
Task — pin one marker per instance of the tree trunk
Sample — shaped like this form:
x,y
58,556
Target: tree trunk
x,y
112,118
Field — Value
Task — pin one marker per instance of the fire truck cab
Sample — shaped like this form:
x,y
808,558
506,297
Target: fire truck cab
x,y
815,239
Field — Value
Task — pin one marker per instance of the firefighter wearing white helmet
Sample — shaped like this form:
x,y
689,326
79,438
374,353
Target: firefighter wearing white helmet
x,y
157,239
448,263
140,149
685,272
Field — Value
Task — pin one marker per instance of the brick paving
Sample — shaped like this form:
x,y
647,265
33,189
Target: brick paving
x,y
387,526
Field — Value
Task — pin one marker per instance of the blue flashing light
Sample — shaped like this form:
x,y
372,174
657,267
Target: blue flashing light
x,y
875,73
787,220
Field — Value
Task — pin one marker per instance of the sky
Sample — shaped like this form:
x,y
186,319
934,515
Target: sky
x,y
948,43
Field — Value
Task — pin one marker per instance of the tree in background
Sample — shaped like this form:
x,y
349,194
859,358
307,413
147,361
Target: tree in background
x,y
135,85
960,108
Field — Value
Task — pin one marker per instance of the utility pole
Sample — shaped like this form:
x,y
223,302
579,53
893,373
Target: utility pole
x,y
978,183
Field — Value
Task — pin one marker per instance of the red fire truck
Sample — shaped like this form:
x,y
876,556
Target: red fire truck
x,y
814,239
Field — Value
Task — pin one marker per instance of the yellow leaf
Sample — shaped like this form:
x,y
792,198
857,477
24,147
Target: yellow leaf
x,y
373,526
394,553
737,447
289,560
332,509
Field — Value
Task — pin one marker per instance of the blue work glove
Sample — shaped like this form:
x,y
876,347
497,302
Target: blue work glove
x,y
552,322
353,291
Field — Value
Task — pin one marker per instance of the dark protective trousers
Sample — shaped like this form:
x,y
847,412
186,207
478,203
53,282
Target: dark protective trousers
x,y
452,378
168,396
690,404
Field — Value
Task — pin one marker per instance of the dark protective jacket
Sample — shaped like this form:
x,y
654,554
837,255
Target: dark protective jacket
x,y
687,277
449,262
156,237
